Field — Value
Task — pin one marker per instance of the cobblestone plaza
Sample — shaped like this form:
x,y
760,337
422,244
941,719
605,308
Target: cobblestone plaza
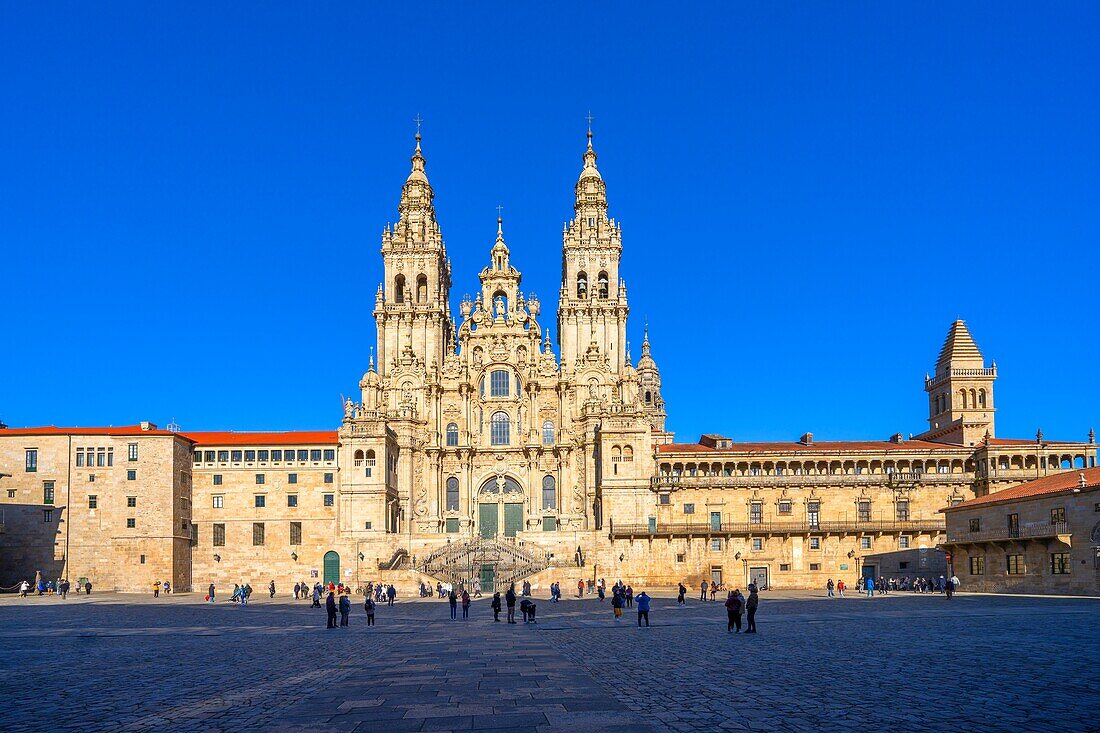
x,y
899,662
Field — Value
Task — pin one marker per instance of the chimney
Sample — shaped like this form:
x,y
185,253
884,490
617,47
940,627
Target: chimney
x,y
896,438
146,426
807,439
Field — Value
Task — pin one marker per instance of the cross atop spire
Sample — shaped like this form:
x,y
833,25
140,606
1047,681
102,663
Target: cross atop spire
x,y
418,120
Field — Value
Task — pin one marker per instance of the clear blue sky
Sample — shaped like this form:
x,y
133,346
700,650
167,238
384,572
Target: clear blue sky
x,y
191,197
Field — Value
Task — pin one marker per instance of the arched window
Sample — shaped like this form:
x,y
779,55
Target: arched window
x,y
399,289
582,285
499,429
981,398
549,493
973,398
358,456
936,405
499,383
452,494
962,398
370,454
602,281
648,396
452,434
548,433
628,454
422,289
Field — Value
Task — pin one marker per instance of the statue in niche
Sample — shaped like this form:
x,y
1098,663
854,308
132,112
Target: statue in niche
x,y
500,306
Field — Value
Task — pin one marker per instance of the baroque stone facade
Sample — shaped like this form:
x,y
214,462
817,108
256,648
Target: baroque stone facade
x,y
473,432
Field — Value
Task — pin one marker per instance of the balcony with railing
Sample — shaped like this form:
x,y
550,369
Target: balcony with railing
x,y
842,527
671,482
1038,531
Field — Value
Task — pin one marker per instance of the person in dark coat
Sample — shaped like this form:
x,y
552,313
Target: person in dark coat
x,y
527,607
453,600
495,605
680,592
345,609
368,606
330,606
750,606
510,601
733,612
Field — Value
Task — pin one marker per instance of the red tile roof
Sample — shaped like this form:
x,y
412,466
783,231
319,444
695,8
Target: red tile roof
x,y
123,430
816,447
1056,484
315,437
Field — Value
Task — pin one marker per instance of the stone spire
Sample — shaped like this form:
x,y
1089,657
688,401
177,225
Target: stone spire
x,y
959,350
591,192
416,211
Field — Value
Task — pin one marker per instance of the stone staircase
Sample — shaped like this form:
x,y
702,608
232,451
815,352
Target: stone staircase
x,y
461,562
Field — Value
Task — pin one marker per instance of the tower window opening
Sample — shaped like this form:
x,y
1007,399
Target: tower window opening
x,y
603,286
582,285
422,289
399,289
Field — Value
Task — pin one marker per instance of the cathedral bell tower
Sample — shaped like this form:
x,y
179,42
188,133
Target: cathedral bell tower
x,y
412,307
960,394
592,307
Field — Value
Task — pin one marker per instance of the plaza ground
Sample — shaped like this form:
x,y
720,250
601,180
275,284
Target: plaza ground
x,y
900,662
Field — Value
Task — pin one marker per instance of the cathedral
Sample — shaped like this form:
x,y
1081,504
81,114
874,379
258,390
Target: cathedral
x,y
476,450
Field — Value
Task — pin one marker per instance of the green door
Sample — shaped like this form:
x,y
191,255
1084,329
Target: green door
x,y
488,575
332,567
487,520
513,519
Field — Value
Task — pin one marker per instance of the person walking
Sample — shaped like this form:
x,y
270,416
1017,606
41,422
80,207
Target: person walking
x,y
87,587
316,596
751,605
829,588
580,588
629,596
330,606
495,605
954,583
733,612
870,585
453,600
600,590
345,609
510,602
703,591
156,589
465,605
271,588
368,606
477,587
297,590
840,588
643,607
391,593
681,591
617,604
23,588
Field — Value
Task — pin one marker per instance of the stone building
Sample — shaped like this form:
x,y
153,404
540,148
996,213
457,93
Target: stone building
x,y
1042,536
477,449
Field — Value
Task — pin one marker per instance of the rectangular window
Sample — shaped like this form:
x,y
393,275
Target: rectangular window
x,y
295,533
784,507
47,515
330,454
91,478
815,566
261,501
756,512
219,535
131,501
218,501
11,493
1057,516
80,458
977,565
47,492
250,455
32,460
452,525
303,455
292,500
141,559
131,475
257,533
328,478
131,452
549,524
131,523
689,508
975,525
864,510
663,499
330,499
223,456
259,479
292,478
757,544
93,501
903,543
208,456
236,456
815,543
902,508
110,456
315,455
784,567
680,557
865,543
261,456
716,544
1015,564
903,565
1059,563
276,455
288,454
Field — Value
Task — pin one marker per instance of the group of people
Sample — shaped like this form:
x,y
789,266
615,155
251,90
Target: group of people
x,y
158,586
712,588
737,604
59,587
883,586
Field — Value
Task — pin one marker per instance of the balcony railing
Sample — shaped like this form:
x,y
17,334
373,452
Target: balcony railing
x,y
671,482
753,529
1010,534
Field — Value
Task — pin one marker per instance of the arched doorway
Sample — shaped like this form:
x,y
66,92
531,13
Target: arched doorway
x,y
500,505
332,567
